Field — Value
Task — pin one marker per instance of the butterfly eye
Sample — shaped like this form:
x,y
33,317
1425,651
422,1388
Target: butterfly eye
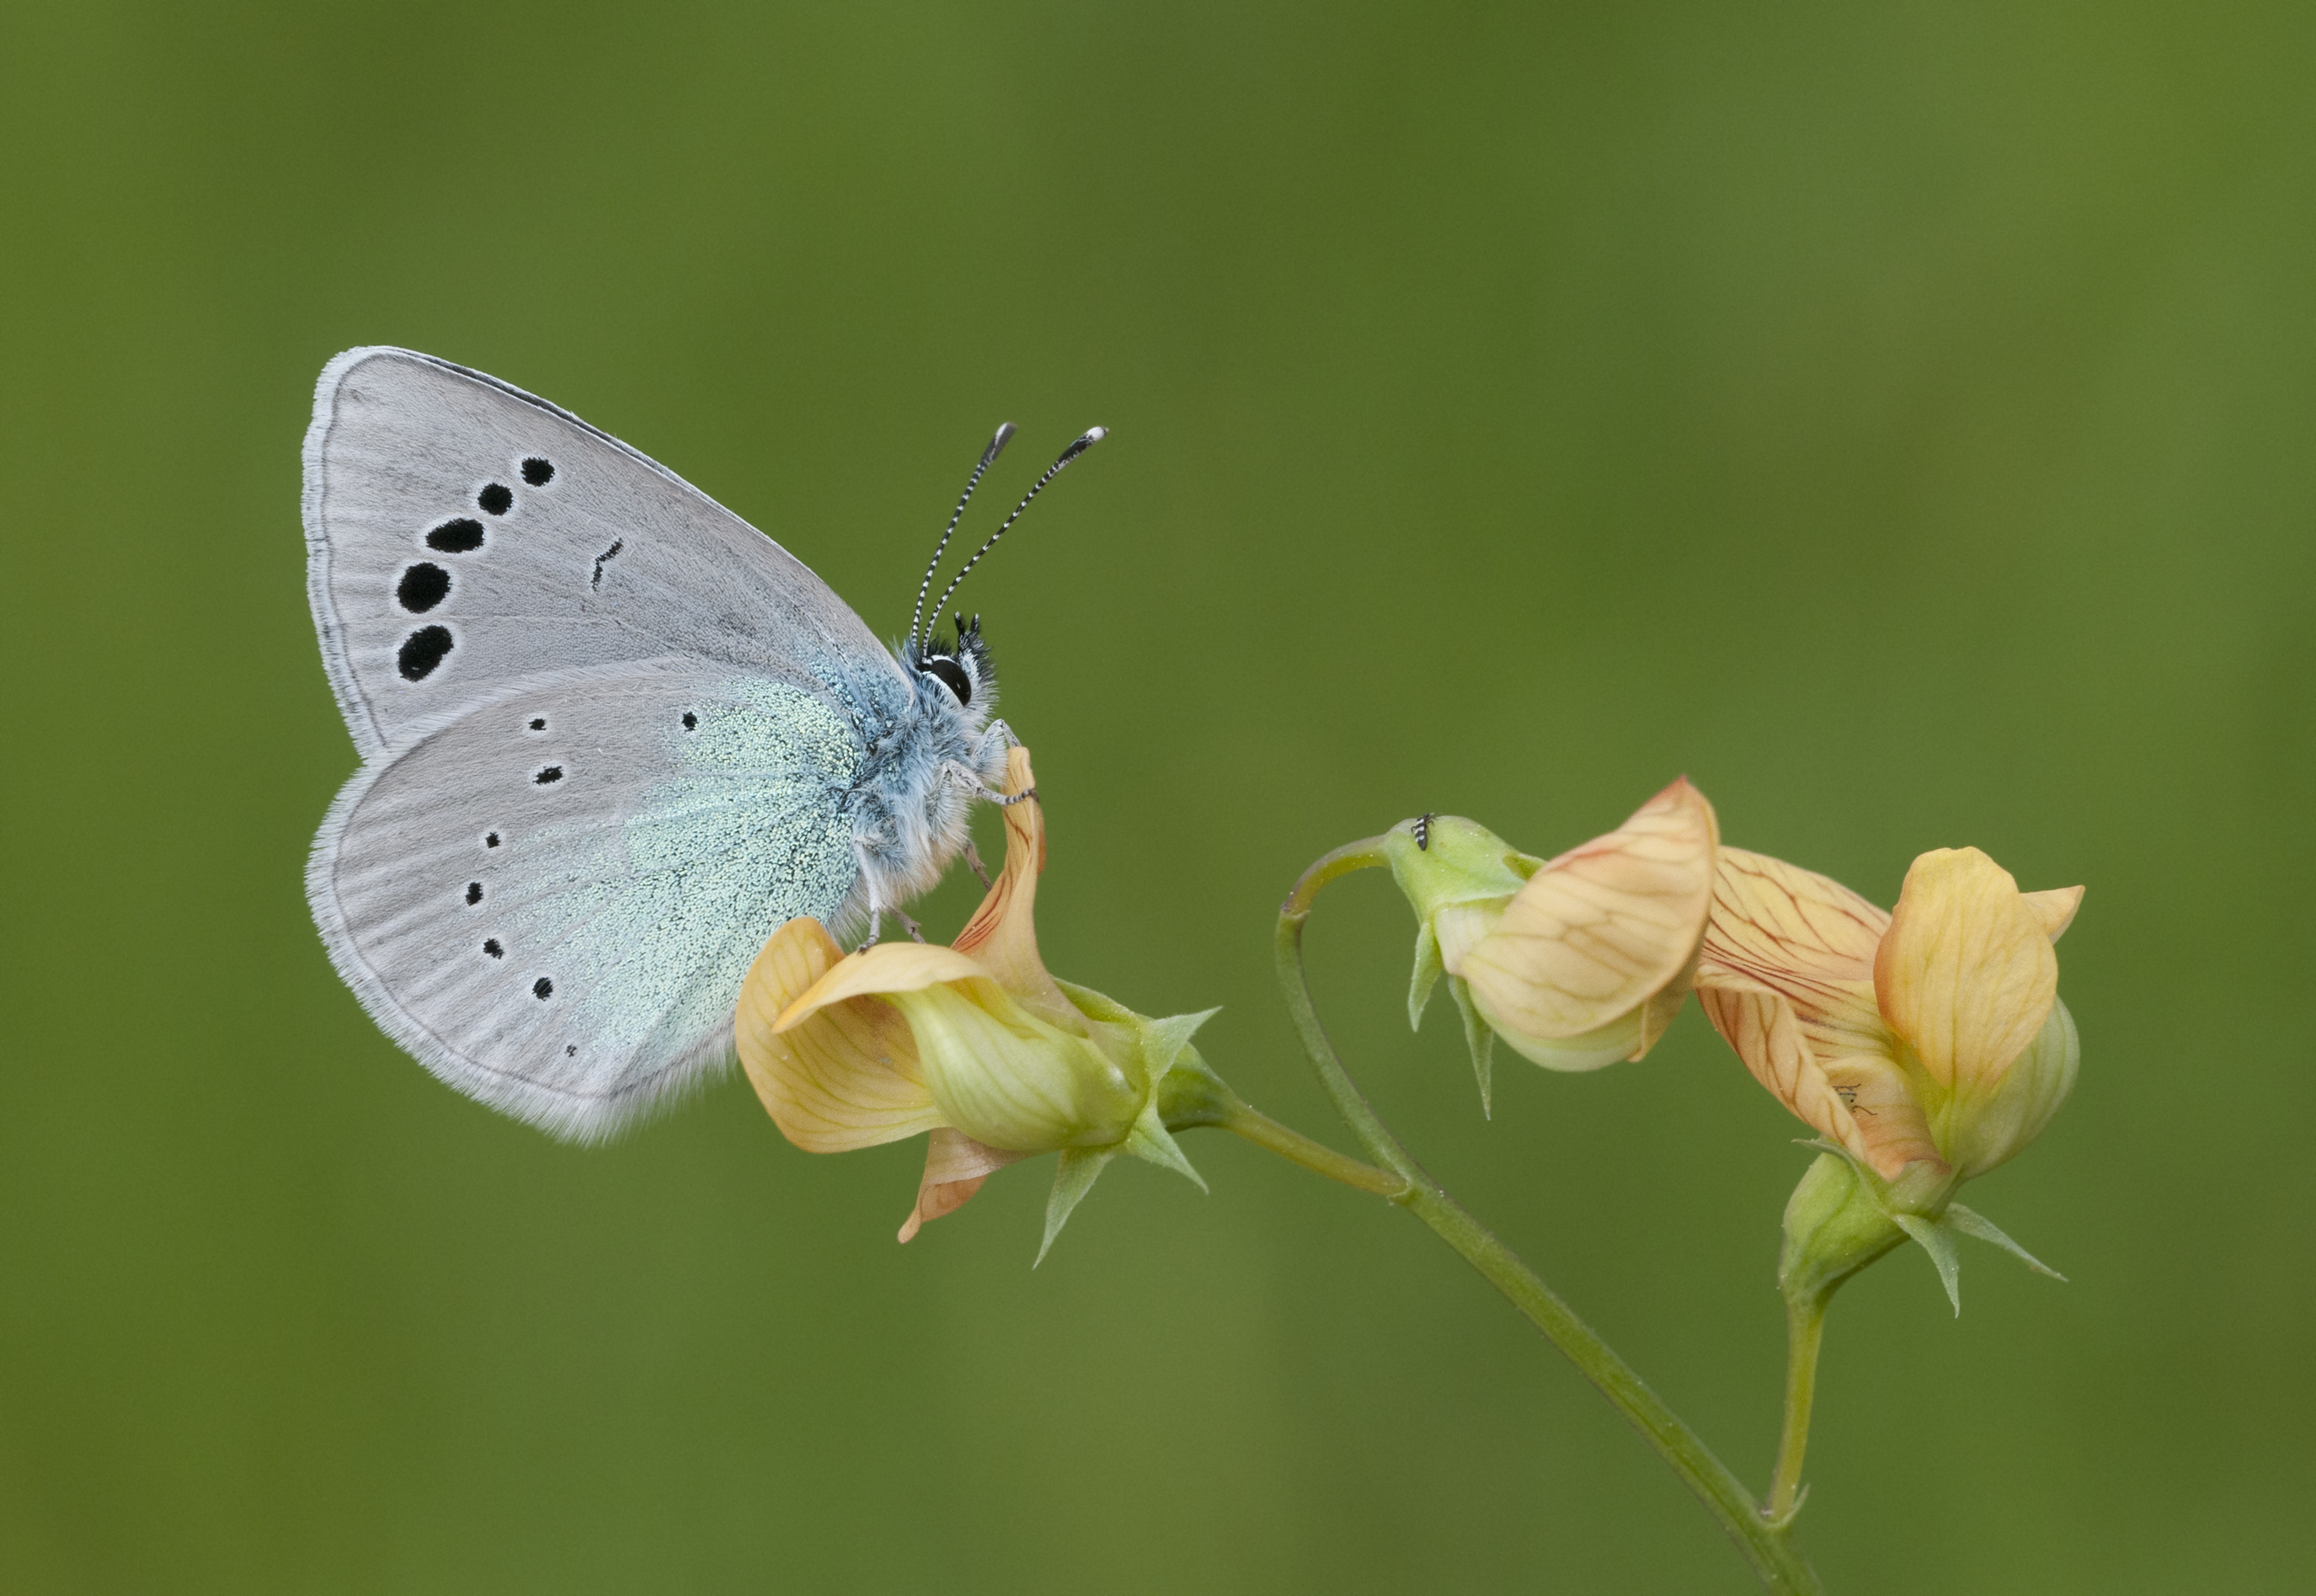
x,y
952,675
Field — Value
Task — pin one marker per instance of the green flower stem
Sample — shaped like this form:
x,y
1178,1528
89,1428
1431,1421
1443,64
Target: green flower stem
x,y
1804,1328
1317,1157
1767,1546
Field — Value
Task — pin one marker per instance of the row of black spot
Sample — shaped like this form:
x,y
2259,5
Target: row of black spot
x,y
543,988
548,775
425,584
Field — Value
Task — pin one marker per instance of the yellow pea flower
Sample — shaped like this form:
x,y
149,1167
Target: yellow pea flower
x,y
1576,962
976,1043
1927,1046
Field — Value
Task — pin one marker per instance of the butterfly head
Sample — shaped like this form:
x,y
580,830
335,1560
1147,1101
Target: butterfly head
x,y
955,671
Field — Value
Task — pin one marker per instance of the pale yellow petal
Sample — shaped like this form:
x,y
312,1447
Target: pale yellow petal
x,y
1005,1076
1599,931
887,967
847,1077
955,1166
1967,973
1003,934
2055,907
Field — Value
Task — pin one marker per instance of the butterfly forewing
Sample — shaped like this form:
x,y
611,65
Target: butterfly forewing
x,y
553,899
462,534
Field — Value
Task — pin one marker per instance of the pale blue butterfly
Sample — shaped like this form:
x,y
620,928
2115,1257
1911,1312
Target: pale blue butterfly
x,y
612,736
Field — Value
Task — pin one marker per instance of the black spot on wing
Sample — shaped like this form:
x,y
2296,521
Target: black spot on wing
x,y
491,840
496,498
538,471
550,776
491,946
542,989
421,651
689,720
462,536
423,586
473,893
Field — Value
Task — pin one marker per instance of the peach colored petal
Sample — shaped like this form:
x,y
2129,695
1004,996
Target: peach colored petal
x,y
1003,934
888,967
2055,907
1792,930
848,1077
1601,929
955,1166
1967,973
1858,1099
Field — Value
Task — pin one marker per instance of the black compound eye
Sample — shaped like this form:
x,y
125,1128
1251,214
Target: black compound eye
x,y
952,676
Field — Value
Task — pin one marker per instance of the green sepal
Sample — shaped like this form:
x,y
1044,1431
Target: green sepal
x,y
1427,974
1152,1143
1480,1038
1074,1177
1162,1041
1179,1084
1972,1222
1938,1241
1834,1226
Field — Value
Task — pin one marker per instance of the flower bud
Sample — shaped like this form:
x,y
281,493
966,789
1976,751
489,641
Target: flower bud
x,y
1576,961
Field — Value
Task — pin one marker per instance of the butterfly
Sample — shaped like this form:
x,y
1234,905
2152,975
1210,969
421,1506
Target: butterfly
x,y
612,737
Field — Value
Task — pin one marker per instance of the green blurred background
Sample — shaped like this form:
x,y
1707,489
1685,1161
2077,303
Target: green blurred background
x,y
1897,418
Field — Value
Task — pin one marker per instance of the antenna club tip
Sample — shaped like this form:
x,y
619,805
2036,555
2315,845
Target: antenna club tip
x,y
1096,434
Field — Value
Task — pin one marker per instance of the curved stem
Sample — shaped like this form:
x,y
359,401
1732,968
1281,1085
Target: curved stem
x,y
1768,1547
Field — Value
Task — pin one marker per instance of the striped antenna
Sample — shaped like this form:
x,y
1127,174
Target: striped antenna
x,y
1086,439
996,447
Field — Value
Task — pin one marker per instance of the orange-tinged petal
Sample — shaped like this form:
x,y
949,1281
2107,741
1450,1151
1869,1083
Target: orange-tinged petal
x,y
1967,973
1760,1027
2055,907
1003,934
848,1076
1597,931
955,1166
887,967
1791,929
1858,1099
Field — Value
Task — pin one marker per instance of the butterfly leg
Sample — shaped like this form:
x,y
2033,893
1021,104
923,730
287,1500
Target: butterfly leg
x,y
973,783
973,861
915,932
875,909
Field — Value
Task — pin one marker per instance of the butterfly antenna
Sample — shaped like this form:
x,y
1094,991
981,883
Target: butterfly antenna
x,y
996,447
1085,441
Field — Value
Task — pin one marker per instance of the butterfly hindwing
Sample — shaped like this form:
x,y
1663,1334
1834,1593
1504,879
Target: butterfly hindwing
x,y
551,898
461,534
